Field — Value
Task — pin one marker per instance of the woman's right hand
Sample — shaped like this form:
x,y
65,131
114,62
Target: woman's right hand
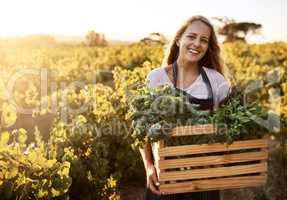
x,y
152,180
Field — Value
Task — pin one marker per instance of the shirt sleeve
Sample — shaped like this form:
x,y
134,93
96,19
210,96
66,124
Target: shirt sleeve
x,y
224,90
149,80
155,78
221,87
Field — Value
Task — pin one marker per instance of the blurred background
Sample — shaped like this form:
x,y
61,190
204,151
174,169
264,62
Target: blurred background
x,y
68,67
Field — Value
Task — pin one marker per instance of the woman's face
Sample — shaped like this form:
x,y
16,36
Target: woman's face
x,y
193,43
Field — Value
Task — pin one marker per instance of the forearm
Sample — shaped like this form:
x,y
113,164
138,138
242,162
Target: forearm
x,y
146,155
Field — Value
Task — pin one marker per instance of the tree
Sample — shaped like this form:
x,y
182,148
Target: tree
x,y
154,38
233,31
95,39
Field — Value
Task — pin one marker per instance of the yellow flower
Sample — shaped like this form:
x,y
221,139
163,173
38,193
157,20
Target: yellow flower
x,y
4,138
9,115
22,136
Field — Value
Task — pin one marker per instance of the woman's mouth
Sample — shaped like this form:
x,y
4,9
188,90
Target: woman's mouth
x,y
193,51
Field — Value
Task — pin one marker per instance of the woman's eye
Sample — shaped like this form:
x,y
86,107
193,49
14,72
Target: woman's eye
x,y
192,36
204,40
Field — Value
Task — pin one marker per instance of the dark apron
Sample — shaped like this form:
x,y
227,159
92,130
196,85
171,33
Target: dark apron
x,y
205,104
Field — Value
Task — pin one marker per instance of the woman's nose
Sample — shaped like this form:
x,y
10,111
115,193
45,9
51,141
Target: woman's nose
x,y
196,42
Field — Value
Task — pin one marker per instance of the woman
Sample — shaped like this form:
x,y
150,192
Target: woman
x,y
193,65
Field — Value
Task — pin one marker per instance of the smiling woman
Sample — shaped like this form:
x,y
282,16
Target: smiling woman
x,y
194,42
192,64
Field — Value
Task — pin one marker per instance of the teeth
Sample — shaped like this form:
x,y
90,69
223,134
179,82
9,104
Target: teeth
x,y
193,51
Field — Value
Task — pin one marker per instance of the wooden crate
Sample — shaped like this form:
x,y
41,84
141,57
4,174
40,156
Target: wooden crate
x,y
207,167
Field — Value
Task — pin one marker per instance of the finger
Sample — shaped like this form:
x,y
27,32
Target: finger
x,y
154,189
154,178
156,183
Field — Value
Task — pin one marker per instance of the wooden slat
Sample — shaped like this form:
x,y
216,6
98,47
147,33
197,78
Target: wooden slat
x,y
161,158
193,130
213,184
213,172
210,148
157,158
213,160
265,149
155,148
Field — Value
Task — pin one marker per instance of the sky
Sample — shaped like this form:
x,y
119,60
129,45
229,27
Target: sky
x,y
134,19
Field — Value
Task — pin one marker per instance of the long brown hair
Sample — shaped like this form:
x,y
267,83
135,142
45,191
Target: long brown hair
x,y
211,59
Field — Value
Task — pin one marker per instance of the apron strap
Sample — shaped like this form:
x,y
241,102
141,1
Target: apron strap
x,y
206,80
174,74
